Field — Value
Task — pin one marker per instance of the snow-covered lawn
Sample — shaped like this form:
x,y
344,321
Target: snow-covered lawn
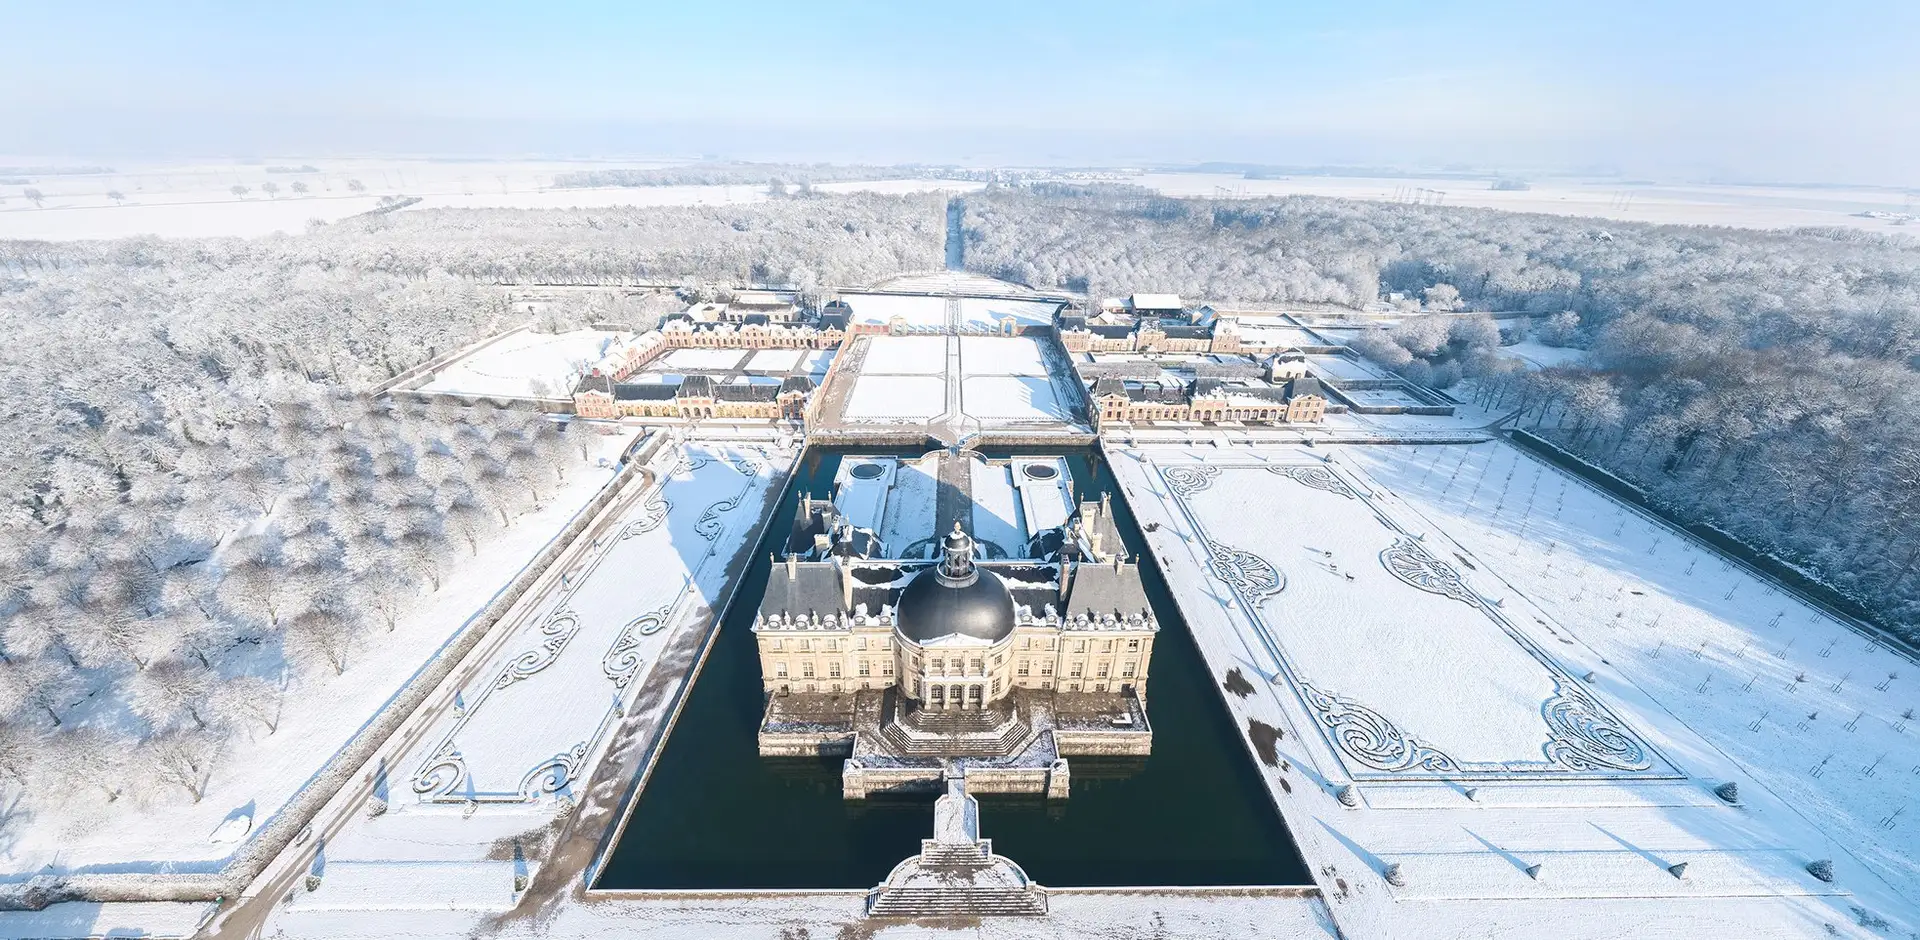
x,y
897,398
905,355
1340,367
1541,356
528,364
997,355
322,712
981,313
882,308
1369,783
1297,540
537,714
1809,707
1276,336
777,361
718,360
1012,399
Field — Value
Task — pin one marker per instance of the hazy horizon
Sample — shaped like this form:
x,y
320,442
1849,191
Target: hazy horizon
x,y
1752,92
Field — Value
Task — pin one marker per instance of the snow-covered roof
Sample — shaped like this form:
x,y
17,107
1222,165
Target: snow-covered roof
x,y
1156,302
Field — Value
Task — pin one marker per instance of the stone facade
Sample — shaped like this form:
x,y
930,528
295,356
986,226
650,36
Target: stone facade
x,y
599,395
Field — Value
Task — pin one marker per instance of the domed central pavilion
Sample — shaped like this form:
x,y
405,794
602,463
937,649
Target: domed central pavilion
x,y
903,646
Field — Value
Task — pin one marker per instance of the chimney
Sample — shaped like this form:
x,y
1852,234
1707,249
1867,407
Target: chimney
x,y
846,582
1066,578
793,566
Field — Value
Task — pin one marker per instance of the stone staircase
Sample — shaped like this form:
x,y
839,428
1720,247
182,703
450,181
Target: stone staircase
x,y
991,732
956,873
958,901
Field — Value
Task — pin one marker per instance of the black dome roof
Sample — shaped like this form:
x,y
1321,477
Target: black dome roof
x,y
955,598
932,607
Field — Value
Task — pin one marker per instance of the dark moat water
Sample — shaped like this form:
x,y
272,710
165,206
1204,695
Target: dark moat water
x,y
715,814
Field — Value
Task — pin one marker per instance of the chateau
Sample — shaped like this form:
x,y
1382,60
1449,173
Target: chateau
x,y
904,646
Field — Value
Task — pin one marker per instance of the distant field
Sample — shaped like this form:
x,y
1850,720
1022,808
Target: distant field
x,y
189,200
1674,203
198,200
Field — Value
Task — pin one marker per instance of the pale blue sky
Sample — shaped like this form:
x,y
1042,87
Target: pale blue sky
x,y
1809,91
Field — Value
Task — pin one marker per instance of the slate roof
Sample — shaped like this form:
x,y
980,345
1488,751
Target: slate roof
x,y
1106,591
645,391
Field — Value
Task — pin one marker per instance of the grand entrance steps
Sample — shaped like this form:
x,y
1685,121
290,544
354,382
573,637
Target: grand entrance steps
x,y
958,901
992,732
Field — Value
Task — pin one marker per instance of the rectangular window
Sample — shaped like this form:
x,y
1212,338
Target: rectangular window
x,y
1021,669
1079,646
780,670
1074,670
996,687
1046,669
860,644
1102,673
886,667
977,666
1126,671
806,645
1133,646
866,668
833,646
774,645
1100,687
806,670
833,670
1106,647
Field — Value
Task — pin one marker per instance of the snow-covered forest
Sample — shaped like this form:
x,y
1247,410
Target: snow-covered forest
x,y
201,501
1760,380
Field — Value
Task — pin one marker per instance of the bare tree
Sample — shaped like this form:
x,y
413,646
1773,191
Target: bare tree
x,y
182,757
299,187
248,698
238,191
170,690
84,754
34,196
271,188
322,635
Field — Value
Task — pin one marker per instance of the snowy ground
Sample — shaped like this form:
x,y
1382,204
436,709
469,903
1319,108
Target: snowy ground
x,y
984,381
529,364
918,312
1013,398
196,200
906,355
322,713
893,398
980,313
542,708
1771,206
509,742
1740,662
1339,368
1539,355
994,355
1442,640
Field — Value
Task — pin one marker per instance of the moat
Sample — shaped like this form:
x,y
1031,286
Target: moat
x,y
715,814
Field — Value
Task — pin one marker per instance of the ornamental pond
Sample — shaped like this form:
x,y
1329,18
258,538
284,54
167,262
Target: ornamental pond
x,y
715,815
